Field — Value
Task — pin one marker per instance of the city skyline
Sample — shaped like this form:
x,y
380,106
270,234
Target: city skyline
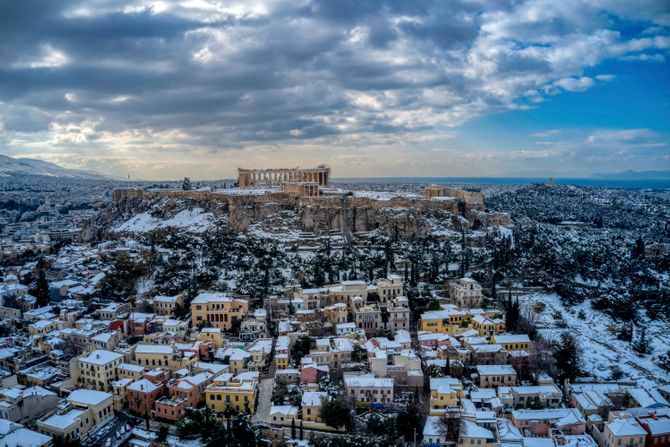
x,y
159,90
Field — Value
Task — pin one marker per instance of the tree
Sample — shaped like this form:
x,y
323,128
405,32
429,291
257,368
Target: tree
x,y
60,441
186,184
119,282
359,354
566,352
301,432
301,348
336,412
293,433
638,250
42,290
663,361
279,393
512,313
641,345
434,371
378,426
203,324
163,431
409,420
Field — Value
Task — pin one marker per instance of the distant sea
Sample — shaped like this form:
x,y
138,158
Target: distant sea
x,y
483,181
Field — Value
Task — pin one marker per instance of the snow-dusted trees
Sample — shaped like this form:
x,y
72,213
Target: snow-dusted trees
x,y
186,185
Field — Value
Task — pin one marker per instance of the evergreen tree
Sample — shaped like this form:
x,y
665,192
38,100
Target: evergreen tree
x,y
638,250
512,314
641,345
301,432
293,428
336,412
42,290
186,184
566,354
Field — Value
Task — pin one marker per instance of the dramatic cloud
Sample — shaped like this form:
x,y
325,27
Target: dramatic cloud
x,y
169,88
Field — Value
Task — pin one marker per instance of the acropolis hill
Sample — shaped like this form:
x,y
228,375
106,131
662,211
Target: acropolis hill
x,y
306,198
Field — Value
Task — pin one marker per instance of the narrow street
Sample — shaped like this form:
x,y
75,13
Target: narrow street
x,y
264,401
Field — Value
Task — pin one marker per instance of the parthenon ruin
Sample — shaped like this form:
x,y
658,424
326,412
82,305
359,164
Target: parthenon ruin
x,y
248,178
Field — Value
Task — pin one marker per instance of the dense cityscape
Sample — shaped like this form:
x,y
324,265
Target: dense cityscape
x,y
334,223
295,311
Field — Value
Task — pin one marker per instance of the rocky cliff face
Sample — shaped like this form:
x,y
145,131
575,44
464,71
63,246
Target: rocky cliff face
x,y
400,217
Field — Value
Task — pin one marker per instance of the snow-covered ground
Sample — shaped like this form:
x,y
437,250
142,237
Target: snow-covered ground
x,y
601,350
384,195
248,191
195,220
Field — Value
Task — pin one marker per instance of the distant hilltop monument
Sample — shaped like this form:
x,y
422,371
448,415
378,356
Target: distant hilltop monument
x,y
247,178
300,181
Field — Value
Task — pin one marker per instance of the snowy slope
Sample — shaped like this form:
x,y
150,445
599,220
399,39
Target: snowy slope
x,y
194,220
601,350
27,166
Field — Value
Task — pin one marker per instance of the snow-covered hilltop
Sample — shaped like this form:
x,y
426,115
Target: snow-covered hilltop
x,y
273,214
26,166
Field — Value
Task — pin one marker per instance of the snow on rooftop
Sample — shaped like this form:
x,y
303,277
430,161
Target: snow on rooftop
x,y
88,397
154,349
368,382
100,357
625,427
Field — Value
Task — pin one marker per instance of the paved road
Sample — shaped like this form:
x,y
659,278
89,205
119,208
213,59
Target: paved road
x,y
264,401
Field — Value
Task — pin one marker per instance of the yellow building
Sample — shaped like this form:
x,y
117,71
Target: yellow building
x,y
98,369
213,334
337,313
120,393
488,326
165,305
130,371
168,356
219,309
512,342
445,392
444,321
311,405
86,410
281,361
493,376
238,392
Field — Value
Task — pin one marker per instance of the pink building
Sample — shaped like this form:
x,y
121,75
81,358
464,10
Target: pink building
x,y
311,373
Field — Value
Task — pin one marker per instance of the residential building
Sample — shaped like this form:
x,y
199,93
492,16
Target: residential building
x,y
168,356
466,293
165,305
98,369
539,422
491,376
540,396
13,434
228,391
368,389
24,405
219,309
445,392
512,342
625,432
142,394
311,405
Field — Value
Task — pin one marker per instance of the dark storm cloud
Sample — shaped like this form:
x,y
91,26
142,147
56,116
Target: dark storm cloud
x,y
231,73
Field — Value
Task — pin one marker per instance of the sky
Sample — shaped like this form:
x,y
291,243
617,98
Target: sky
x,y
166,89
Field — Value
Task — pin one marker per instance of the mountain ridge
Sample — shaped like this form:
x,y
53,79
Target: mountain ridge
x,y
10,166
630,174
